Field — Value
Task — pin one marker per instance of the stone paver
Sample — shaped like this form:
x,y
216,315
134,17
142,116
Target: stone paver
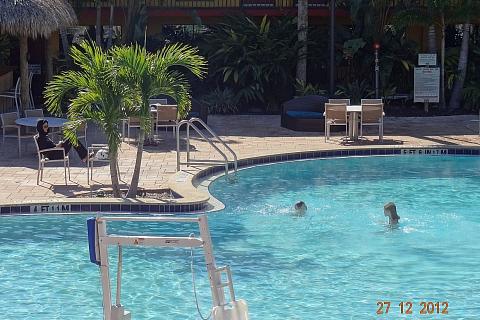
x,y
249,136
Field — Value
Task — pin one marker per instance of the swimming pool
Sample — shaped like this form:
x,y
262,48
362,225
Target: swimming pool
x,y
335,262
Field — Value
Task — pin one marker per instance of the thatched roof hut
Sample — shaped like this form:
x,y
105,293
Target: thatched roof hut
x,y
33,18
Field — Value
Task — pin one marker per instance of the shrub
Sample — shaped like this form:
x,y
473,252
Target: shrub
x,y
220,101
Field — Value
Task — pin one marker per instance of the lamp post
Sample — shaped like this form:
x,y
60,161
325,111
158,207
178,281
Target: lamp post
x,y
376,47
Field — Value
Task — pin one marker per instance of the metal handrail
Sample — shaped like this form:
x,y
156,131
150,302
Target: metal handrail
x,y
191,123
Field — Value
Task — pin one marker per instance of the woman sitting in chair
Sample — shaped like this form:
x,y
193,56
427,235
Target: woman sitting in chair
x,y
44,142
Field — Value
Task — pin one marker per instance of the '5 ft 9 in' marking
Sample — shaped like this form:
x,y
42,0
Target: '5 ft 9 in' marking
x,y
406,307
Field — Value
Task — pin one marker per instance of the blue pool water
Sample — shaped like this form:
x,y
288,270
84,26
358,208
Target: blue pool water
x,y
335,262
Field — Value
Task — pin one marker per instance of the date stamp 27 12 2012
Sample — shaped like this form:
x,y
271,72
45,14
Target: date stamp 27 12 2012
x,y
408,307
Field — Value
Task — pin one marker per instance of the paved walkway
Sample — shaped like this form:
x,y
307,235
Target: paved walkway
x,y
248,136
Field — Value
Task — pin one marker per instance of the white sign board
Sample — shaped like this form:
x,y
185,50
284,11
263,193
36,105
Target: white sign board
x,y
427,59
426,85
35,68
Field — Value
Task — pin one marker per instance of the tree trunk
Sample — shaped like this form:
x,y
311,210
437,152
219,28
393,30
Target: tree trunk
x,y
132,191
98,24
432,39
24,85
129,27
456,97
114,174
302,27
48,58
110,38
65,45
442,64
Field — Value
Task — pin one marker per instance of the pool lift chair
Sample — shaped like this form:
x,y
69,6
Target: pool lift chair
x,y
99,240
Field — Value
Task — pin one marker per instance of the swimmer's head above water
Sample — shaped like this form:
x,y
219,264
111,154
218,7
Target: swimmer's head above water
x,y
300,208
390,211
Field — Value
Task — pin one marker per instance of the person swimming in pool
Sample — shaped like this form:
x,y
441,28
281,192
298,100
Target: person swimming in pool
x,y
390,211
300,208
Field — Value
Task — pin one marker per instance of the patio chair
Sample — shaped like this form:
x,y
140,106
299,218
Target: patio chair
x,y
339,101
91,161
12,130
372,115
34,113
370,101
157,101
166,117
132,122
42,160
37,113
13,94
335,115
82,131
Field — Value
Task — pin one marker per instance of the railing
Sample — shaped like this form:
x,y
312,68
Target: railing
x,y
178,4
191,124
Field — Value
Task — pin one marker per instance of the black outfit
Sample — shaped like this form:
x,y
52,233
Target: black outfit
x,y
44,142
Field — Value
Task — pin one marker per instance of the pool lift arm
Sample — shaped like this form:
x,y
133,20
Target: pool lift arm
x,y
99,240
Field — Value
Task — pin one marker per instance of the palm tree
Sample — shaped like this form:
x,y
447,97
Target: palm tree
x,y
465,13
99,97
151,74
436,13
302,27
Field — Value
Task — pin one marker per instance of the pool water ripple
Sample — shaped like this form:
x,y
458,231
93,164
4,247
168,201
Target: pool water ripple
x,y
335,262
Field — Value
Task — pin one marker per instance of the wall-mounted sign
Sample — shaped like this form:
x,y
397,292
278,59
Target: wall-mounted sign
x,y
427,59
35,68
426,85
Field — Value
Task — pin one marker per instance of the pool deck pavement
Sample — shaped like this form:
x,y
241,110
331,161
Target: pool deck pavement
x,y
248,135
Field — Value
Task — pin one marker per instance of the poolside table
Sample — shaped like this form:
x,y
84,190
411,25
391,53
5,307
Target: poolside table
x,y
32,121
353,111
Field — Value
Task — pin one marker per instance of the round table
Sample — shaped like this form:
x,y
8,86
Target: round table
x,y
32,121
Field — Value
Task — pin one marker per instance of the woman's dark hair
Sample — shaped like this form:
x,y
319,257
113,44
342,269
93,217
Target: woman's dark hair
x,y
40,124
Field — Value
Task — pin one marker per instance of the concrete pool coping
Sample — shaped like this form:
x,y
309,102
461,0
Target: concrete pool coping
x,y
193,186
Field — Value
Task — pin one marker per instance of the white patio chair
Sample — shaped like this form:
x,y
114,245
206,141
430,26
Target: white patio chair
x,y
166,117
34,113
339,101
157,101
372,115
42,160
91,161
335,115
132,122
370,101
12,130
13,94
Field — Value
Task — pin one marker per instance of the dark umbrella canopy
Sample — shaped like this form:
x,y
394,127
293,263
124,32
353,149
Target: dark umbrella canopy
x,y
33,18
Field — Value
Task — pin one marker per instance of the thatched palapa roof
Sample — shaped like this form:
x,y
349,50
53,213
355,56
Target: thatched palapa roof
x,y
33,18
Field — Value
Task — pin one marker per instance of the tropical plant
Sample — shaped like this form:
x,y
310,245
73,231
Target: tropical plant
x,y
437,13
149,75
355,91
99,96
305,89
221,101
257,61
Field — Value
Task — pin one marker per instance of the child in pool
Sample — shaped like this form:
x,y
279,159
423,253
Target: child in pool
x,y
390,211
